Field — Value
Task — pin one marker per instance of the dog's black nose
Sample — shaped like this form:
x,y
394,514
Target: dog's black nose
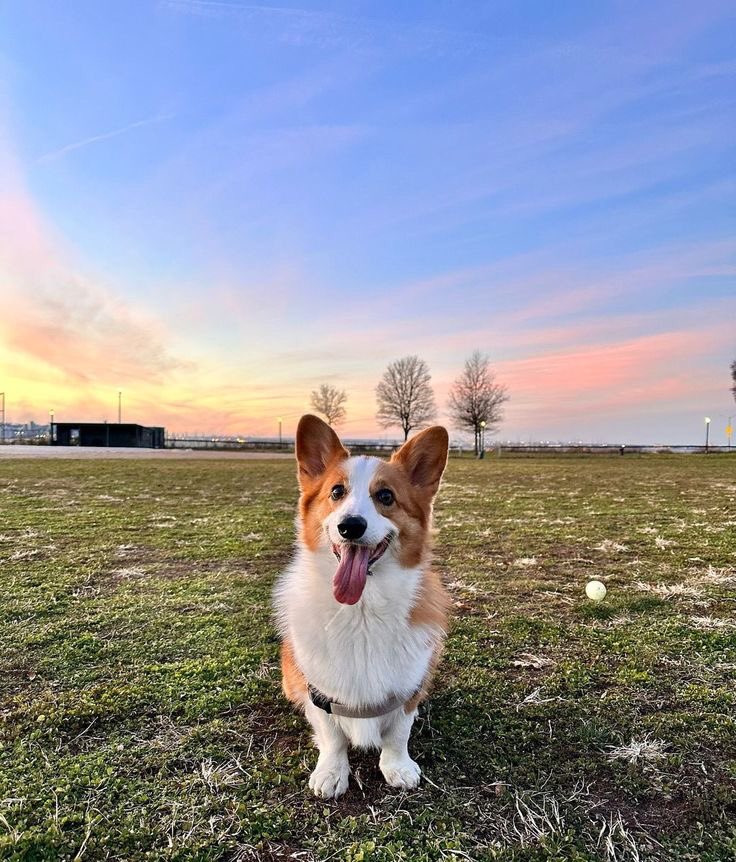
x,y
352,527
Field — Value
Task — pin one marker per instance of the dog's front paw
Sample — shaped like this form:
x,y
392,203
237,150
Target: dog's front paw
x,y
330,778
403,773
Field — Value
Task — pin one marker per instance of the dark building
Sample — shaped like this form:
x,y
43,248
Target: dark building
x,y
106,434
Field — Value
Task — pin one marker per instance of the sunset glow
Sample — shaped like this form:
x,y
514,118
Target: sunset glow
x,y
290,197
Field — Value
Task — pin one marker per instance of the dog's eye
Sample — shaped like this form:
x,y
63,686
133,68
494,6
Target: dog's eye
x,y
337,492
385,497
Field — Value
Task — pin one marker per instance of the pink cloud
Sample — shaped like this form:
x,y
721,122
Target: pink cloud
x,y
635,376
59,318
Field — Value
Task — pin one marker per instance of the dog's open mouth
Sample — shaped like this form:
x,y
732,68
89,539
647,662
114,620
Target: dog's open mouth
x,y
377,550
353,567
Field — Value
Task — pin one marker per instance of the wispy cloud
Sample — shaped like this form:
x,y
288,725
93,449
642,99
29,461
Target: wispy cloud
x,y
615,390
325,28
87,336
61,319
53,155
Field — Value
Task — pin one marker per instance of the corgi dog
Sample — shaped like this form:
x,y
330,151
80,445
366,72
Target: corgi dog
x,y
361,614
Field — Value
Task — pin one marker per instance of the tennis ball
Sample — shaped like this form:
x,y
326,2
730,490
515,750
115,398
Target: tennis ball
x,y
595,590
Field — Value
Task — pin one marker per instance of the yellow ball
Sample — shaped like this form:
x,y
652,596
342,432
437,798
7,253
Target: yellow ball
x,y
595,590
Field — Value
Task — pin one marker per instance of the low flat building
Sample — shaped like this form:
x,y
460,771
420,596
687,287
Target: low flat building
x,y
107,434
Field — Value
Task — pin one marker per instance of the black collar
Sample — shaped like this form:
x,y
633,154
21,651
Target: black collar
x,y
333,707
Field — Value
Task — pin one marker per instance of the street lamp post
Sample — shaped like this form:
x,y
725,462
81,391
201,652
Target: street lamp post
x,y
482,439
280,438
707,433
51,426
120,406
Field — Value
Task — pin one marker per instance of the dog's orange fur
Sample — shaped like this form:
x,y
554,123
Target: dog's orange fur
x,y
315,503
321,459
293,680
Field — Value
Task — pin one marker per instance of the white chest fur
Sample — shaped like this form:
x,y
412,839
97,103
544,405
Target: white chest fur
x,y
357,654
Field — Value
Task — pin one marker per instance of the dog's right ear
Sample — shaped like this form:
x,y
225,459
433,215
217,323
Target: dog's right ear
x,y
317,448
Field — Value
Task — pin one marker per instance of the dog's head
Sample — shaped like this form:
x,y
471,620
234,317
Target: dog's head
x,y
363,509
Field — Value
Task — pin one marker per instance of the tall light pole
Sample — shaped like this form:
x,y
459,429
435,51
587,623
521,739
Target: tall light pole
x,y
707,433
120,406
729,430
482,439
51,426
280,438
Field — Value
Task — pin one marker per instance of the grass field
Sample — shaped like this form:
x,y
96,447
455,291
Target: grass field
x,y
140,707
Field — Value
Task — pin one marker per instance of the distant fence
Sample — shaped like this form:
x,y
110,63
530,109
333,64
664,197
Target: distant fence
x,y
255,444
174,441
384,447
603,449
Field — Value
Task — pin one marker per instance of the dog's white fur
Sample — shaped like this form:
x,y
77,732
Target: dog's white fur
x,y
359,654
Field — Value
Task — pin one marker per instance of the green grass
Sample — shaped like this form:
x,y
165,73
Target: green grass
x,y
140,708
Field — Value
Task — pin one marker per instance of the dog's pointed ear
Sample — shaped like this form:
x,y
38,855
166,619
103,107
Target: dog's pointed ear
x,y
317,447
424,458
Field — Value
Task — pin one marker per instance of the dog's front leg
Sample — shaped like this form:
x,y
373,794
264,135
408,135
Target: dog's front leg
x,y
397,767
330,777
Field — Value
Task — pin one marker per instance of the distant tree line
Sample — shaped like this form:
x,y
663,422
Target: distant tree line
x,y
405,398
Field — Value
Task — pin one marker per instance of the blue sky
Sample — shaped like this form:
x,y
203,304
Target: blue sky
x,y
219,205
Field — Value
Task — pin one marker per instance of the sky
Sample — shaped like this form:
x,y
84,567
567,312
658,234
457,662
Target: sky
x,y
215,206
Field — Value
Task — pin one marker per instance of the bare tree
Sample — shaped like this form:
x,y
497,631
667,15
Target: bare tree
x,y
476,398
330,402
405,395
733,377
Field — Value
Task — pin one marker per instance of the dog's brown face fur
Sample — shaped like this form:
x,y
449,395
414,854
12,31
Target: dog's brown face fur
x,y
412,476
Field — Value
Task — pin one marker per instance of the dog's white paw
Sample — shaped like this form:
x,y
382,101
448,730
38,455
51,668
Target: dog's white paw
x,y
403,773
330,779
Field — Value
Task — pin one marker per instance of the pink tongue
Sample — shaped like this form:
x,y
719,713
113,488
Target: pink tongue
x,y
352,570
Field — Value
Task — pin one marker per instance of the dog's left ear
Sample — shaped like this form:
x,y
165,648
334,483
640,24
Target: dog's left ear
x,y
317,447
424,458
